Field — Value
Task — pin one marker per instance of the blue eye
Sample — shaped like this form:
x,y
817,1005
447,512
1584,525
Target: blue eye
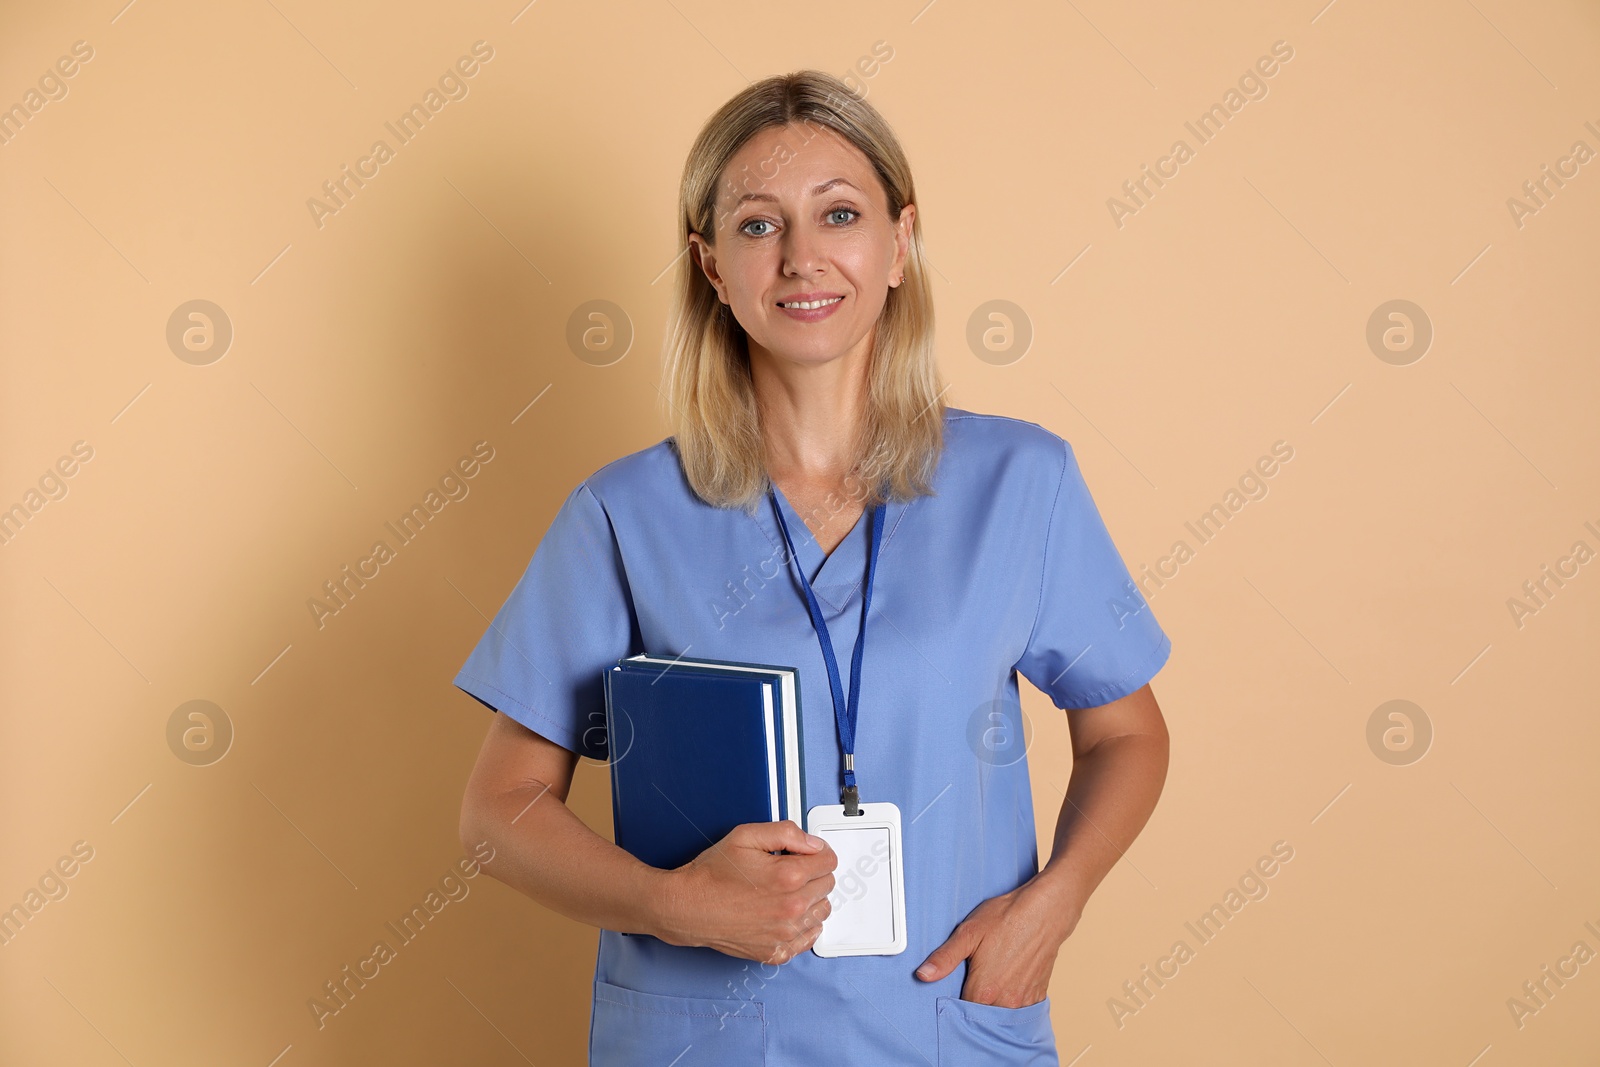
x,y
831,213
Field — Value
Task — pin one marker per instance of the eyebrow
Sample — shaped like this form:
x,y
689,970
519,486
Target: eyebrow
x,y
818,191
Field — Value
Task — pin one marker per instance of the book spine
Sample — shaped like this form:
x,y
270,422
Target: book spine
x,y
611,733
800,739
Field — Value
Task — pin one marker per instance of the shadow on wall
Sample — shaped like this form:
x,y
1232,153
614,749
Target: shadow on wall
x,y
333,819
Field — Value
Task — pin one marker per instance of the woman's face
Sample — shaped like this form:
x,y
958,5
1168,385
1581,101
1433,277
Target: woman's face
x,y
800,214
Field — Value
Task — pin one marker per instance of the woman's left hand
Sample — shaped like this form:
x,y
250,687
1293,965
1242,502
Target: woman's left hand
x,y
1010,944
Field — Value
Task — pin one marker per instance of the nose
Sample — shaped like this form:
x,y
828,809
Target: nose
x,y
802,253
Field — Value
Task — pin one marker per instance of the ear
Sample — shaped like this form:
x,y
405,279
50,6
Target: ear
x,y
902,241
705,257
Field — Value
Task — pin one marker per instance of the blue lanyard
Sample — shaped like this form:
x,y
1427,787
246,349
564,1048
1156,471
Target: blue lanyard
x,y
844,712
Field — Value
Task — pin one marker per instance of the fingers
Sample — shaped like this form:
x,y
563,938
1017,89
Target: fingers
x,y
781,900
771,836
957,947
822,885
818,865
809,929
812,856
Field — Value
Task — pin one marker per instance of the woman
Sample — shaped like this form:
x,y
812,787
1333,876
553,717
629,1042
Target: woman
x,y
802,387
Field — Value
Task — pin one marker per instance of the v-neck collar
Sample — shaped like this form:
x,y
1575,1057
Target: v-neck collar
x,y
837,576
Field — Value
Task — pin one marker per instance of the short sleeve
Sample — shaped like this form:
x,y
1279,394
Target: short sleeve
x,y
569,618
1094,638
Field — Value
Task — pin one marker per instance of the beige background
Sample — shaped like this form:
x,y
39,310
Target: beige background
x,y
371,352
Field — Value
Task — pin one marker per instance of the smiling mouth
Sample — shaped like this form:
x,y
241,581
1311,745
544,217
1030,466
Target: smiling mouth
x,y
808,305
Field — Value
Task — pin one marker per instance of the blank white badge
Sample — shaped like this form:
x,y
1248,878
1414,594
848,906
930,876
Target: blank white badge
x,y
868,897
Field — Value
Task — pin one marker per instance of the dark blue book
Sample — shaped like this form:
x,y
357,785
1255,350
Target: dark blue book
x,y
697,747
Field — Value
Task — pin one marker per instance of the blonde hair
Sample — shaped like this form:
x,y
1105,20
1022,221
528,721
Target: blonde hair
x,y
706,359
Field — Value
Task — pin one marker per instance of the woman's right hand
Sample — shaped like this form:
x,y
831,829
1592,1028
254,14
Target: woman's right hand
x,y
739,899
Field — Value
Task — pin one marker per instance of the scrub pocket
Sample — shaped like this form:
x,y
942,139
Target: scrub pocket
x,y
634,1029
986,1035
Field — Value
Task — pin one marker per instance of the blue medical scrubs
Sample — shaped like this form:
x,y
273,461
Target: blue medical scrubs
x,y
1006,570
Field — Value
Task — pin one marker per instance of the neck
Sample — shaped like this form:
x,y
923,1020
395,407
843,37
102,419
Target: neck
x,y
810,413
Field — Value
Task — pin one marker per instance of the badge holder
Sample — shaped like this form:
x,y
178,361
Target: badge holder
x,y
868,916
868,898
